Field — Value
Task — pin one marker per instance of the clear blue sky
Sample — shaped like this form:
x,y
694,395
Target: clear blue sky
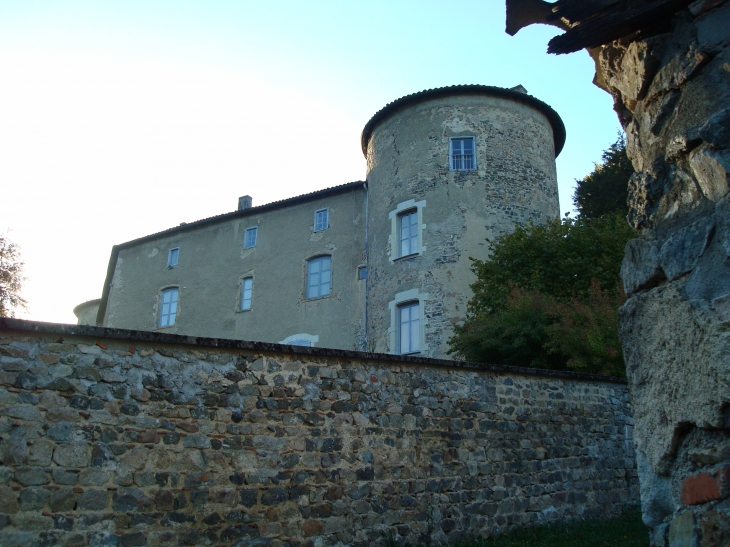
x,y
119,119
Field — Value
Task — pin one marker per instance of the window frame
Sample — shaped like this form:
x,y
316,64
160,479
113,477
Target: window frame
x,y
394,237
172,253
308,264
326,211
412,232
409,305
161,307
402,299
451,152
255,231
243,294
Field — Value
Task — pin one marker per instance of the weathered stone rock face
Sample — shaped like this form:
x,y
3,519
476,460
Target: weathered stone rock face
x,y
672,94
129,438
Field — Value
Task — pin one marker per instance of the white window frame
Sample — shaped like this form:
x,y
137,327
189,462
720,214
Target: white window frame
x,y
250,230
411,242
167,317
394,238
310,262
401,299
299,339
452,163
242,301
321,227
412,343
173,257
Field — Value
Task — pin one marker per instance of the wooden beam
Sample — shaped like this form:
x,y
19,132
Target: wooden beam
x,y
612,24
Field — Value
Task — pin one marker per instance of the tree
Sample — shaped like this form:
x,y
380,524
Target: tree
x,y
11,278
548,297
604,191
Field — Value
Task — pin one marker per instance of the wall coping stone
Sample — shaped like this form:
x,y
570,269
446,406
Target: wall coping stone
x,y
61,329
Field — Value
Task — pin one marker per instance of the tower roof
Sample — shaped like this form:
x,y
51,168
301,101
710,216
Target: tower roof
x,y
438,92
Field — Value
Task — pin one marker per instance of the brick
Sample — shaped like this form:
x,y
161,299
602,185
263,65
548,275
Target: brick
x,y
703,487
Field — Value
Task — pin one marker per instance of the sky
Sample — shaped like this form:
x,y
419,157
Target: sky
x,y
121,119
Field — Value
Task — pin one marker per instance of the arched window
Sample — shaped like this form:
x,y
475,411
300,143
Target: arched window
x,y
319,276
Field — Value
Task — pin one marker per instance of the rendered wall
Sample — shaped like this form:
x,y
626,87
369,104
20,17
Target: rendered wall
x,y
212,262
672,95
112,437
408,159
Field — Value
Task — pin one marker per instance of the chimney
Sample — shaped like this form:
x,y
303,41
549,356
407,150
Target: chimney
x,y
244,203
519,89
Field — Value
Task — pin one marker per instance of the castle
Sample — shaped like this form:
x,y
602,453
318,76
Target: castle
x,y
378,265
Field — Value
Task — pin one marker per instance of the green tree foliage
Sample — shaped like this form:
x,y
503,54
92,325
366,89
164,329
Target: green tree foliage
x,y
548,298
11,278
605,190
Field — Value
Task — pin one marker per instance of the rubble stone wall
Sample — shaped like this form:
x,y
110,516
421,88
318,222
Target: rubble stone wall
x,y
111,437
672,95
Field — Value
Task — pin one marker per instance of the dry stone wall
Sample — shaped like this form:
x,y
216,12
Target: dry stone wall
x,y
672,95
111,437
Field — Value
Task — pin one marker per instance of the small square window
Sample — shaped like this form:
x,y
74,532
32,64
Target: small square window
x,y
246,293
409,328
321,219
168,307
319,276
172,257
461,154
408,233
249,239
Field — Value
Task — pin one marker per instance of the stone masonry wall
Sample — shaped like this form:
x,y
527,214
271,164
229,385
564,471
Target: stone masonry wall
x,y
112,437
672,94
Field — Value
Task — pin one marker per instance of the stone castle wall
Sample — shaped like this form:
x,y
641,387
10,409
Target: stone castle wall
x,y
112,437
672,95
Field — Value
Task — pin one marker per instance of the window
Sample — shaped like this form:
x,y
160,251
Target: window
x,y
321,219
168,307
409,328
172,256
406,230
319,276
301,339
246,293
462,154
249,239
362,273
408,233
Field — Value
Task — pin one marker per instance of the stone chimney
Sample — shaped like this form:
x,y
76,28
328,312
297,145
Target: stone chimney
x,y
244,203
519,88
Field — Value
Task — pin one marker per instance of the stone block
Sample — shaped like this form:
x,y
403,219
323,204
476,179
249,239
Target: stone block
x,y
8,500
62,500
33,498
72,455
682,530
711,168
93,500
31,476
640,268
682,250
713,32
24,412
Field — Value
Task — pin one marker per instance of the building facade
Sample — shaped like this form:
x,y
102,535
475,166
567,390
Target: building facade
x,y
378,265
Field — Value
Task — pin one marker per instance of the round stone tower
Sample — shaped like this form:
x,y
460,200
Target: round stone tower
x,y
448,170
